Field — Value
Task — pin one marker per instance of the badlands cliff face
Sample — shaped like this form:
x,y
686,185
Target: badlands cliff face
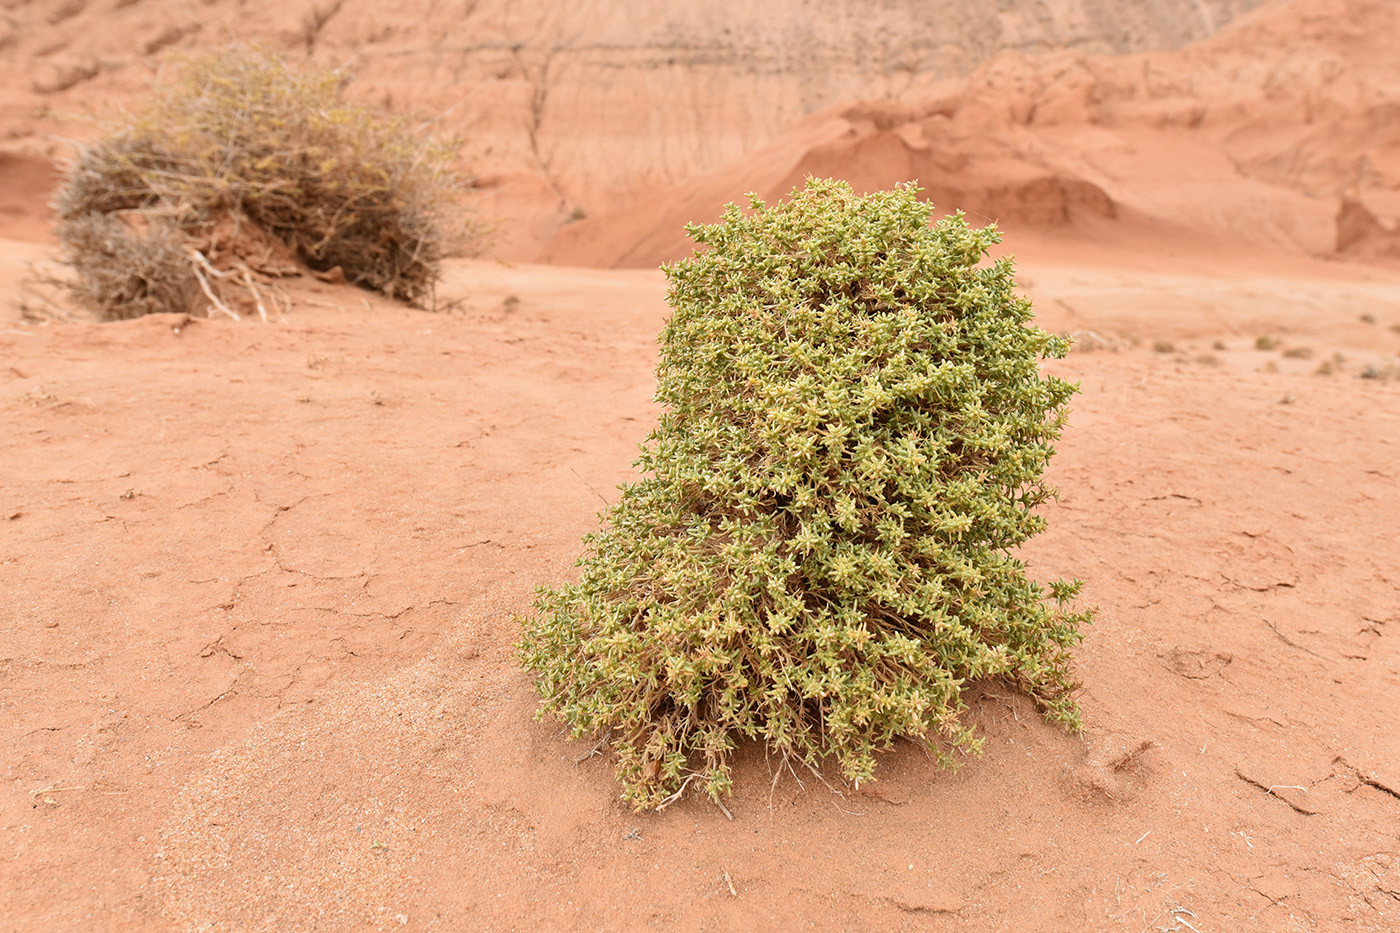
x,y
1279,132
595,130
582,106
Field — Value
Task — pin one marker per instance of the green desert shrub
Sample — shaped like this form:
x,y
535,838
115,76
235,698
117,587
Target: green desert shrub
x,y
821,550
243,142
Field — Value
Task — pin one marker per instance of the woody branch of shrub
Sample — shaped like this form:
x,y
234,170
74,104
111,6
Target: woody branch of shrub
x,y
240,171
821,551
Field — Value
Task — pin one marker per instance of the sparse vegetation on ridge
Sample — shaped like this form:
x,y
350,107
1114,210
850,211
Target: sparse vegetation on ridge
x,y
820,552
242,168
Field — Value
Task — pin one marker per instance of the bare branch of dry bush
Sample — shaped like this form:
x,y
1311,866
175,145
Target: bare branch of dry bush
x,y
240,173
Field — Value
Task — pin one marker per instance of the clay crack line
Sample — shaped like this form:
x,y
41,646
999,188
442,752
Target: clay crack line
x,y
1262,588
362,575
905,907
431,604
217,646
44,729
209,498
1176,495
1367,779
203,706
1271,789
394,616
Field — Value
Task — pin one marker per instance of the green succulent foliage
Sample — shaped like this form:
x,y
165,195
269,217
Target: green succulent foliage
x,y
820,551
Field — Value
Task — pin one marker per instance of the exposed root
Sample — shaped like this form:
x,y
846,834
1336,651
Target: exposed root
x,y
200,266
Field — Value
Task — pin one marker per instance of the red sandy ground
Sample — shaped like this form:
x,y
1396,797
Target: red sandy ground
x,y
257,581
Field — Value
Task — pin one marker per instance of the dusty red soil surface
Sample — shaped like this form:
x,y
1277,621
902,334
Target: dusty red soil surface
x,y
259,582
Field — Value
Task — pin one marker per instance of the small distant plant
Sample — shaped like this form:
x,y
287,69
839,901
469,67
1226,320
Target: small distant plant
x,y
820,553
237,170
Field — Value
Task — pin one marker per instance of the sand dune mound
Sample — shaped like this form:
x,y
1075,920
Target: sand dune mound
x,y
958,150
960,167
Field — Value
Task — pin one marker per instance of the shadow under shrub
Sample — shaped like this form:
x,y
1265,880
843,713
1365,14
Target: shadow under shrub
x,y
820,551
241,137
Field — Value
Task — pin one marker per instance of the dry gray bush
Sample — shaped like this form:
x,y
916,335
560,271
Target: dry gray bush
x,y
242,169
